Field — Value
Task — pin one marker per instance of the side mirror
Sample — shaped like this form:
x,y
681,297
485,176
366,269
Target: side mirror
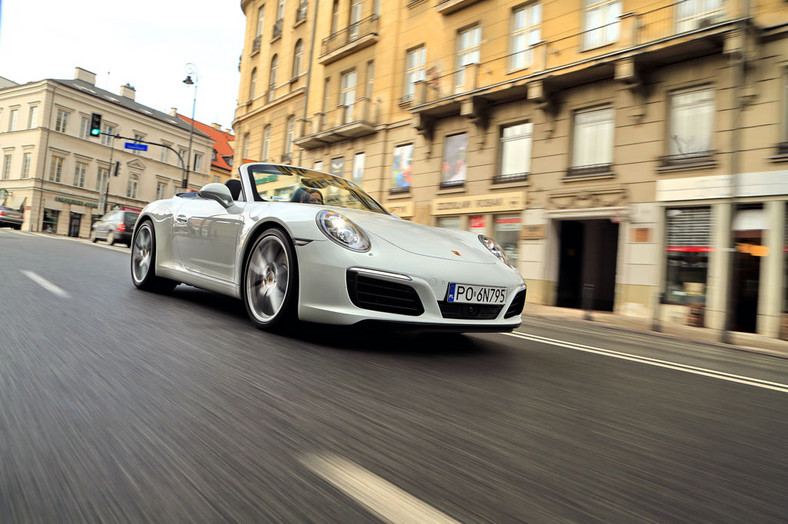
x,y
218,192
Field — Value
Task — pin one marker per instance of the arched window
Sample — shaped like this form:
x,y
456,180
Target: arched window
x,y
272,79
289,139
297,53
253,83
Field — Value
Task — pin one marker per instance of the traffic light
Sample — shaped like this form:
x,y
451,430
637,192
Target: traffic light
x,y
95,124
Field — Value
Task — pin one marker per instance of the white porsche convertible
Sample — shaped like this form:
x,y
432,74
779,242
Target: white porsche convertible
x,y
293,243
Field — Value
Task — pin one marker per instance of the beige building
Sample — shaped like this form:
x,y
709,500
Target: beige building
x,y
604,143
58,173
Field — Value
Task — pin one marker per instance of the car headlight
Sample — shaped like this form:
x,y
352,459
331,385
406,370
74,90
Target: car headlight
x,y
495,248
342,231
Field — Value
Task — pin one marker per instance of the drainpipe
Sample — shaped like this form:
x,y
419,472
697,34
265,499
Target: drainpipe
x,y
308,78
739,66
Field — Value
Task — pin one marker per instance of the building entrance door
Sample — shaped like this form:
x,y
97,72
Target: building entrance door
x,y
73,224
587,264
746,280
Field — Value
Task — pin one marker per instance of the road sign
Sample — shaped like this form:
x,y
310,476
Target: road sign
x,y
136,147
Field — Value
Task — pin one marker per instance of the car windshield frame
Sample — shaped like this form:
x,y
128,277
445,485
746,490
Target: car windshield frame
x,y
286,181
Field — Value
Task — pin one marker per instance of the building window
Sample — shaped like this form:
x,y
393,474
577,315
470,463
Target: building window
x,y
301,11
84,127
450,223
688,247
7,167
601,22
415,61
525,35
161,190
318,166
359,161
402,169
297,55
691,124
56,169
138,139
592,149
13,117
469,44
272,79
108,136
245,148
507,234
253,83
61,121
355,18
101,179
288,156
337,166
516,142
335,17
347,96
197,162
260,21
694,14
32,117
49,224
370,79
266,143
79,174
163,156
454,167
326,94
131,187
26,160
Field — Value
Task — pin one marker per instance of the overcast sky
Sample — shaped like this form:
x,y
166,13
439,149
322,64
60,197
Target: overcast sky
x,y
145,43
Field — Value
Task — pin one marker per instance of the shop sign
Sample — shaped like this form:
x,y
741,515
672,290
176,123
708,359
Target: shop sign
x,y
404,209
533,232
514,201
477,222
75,202
508,223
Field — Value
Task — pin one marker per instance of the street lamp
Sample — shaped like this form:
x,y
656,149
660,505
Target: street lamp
x,y
191,70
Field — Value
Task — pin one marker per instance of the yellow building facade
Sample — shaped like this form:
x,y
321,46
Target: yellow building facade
x,y
618,149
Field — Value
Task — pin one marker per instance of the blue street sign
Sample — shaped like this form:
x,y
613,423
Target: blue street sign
x,y
136,147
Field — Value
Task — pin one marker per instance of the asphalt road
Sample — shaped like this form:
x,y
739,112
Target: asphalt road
x,y
118,405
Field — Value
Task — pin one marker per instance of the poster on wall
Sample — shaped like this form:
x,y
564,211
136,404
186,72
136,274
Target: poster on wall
x,y
402,167
337,166
454,160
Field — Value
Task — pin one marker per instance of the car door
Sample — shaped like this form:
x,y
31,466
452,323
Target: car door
x,y
206,235
104,224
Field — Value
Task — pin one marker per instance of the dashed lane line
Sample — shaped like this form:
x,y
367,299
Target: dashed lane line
x,y
384,499
719,375
46,284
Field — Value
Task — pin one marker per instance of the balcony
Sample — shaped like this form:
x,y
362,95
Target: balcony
x,y
277,30
341,123
349,40
447,7
256,45
637,41
301,13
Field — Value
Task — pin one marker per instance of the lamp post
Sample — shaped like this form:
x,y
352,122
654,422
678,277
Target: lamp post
x,y
191,71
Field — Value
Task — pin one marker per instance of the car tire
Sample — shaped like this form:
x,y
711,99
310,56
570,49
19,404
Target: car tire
x,y
143,261
110,238
270,281
93,237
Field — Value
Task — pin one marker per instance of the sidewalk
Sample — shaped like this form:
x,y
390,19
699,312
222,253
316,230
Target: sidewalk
x,y
743,341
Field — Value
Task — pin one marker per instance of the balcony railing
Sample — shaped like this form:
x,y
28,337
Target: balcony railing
x,y
633,32
349,36
301,12
256,44
688,160
588,171
277,29
341,123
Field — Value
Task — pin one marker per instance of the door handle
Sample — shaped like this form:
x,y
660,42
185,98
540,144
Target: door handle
x,y
181,219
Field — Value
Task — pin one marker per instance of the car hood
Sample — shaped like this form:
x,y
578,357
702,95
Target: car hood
x,y
420,239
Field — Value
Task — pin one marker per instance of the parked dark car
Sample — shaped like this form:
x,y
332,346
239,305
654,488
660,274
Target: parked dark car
x,y
11,217
115,226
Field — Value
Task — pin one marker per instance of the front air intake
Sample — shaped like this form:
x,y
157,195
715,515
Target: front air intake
x,y
517,305
383,295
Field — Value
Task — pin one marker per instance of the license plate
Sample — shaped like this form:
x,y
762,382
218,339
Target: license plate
x,y
473,294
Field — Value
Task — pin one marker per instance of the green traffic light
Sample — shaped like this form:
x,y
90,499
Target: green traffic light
x,y
95,132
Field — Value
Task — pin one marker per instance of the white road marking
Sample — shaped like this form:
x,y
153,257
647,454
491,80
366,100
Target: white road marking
x,y
719,375
46,284
386,500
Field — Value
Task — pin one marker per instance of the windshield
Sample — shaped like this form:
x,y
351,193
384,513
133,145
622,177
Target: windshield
x,y
276,183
